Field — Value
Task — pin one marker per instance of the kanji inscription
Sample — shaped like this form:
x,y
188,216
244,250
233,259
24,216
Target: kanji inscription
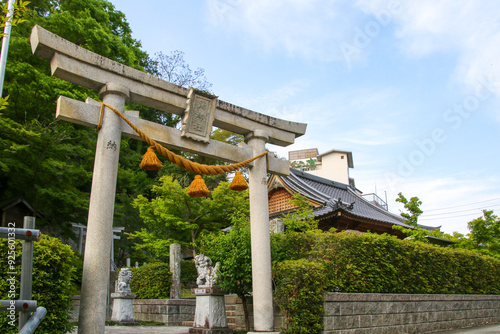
x,y
199,116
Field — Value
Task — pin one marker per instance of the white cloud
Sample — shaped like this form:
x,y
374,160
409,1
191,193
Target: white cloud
x,y
464,29
309,29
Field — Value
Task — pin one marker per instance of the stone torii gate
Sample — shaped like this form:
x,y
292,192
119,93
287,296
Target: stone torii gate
x,y
116,84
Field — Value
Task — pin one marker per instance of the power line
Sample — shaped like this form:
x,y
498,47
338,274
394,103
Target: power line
x,y
453,212
441,218
459,206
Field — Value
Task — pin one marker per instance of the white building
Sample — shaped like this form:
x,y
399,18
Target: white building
x,y
333,165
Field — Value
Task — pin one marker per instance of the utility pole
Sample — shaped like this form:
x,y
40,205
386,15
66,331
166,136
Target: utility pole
x,y
5,43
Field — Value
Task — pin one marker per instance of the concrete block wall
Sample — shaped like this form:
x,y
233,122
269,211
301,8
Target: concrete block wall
x,y
236,316
234,313
349,313
172,312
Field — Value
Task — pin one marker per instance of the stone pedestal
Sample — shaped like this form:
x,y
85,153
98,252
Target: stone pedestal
x,y
123,308
210,312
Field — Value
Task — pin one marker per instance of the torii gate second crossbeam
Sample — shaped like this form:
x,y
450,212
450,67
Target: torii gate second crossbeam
x,y
116,84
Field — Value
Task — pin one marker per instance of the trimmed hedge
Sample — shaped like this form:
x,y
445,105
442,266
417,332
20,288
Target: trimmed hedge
x,y
299,294
372,263
53,275
152,281
307,264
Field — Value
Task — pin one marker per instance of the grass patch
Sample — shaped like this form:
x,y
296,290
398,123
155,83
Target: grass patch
x,y
186,293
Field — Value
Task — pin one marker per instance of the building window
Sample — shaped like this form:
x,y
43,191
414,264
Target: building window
x,y
341,157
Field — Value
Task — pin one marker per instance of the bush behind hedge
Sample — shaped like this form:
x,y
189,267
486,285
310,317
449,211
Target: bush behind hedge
x,y
152,281
53,275
299,294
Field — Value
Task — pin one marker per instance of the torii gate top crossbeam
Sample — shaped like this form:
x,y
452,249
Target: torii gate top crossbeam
x,y
88,69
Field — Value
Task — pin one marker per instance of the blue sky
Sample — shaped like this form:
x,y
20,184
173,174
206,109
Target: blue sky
x,y
412,88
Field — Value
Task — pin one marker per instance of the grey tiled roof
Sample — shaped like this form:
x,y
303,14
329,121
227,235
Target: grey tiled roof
x,y
329,192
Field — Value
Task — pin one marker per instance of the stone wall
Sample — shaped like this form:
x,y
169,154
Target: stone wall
x,y
236,316
172,312
348,313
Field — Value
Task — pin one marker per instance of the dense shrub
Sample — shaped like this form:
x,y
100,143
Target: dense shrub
x,y
299,287
53,272
372,263
188,274
152,281
306,264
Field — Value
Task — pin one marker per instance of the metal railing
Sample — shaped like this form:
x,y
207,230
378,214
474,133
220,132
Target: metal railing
x,y
24,306
375,199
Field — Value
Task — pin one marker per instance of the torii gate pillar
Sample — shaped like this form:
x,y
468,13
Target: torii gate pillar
x,y
100,220
117,83
260,236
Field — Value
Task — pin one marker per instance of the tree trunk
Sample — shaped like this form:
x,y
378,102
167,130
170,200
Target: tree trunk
x,y
193,238
245,312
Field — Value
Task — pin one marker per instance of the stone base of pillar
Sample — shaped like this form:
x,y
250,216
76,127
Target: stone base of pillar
x,y
123,308
210,312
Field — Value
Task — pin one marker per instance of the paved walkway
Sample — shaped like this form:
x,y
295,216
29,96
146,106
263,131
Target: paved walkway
x,y
492,329
144,330
483,329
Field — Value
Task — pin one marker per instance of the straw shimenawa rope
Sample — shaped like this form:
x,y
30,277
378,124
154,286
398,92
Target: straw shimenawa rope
x,y
177,159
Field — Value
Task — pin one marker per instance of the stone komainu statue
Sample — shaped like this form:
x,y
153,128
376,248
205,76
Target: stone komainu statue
x,y
124,280
207,275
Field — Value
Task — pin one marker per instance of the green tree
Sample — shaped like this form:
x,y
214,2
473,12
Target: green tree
x,y
412,207
302,218
484,233
411,215
50,162
172,216
233,250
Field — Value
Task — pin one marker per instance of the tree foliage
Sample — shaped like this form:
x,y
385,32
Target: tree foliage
x,y
53,282
483,236
411,215
412,207
172,216
302,218
50,162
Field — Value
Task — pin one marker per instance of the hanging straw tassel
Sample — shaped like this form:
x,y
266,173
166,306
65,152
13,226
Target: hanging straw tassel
x,y
239,183
198,188
150,161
